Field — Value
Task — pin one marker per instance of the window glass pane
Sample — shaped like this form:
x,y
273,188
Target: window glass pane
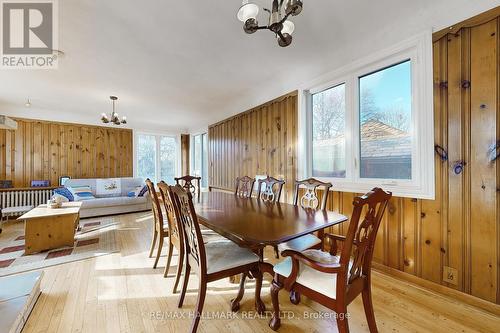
x,y
146,156
197,158
328,130
168,161
385,123
204,171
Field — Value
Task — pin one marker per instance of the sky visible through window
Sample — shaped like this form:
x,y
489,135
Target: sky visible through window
x,y
389,89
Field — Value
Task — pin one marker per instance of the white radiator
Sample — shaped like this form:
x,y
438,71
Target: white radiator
x,y
18,198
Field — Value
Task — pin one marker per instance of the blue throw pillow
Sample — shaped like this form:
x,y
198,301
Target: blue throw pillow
x,y
143,191
131,194
85,196
65,193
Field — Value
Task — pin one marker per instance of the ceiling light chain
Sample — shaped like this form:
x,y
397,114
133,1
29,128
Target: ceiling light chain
x,y
278,23
114,119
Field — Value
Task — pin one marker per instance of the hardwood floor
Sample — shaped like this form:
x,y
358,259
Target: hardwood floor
x,y
122,293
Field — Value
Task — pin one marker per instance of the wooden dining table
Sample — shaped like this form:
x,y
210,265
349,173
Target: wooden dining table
x,y
255,224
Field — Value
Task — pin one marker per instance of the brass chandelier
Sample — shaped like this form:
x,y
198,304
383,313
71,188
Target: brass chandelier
x,y
278,18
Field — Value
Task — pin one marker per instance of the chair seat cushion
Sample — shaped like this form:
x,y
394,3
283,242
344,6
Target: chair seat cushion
x,y
300,244
225,254
324,283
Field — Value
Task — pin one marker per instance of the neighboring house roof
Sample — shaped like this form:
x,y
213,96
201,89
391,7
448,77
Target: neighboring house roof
x,y
379,141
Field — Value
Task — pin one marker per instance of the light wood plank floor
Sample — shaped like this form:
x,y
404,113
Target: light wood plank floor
x,y
122,293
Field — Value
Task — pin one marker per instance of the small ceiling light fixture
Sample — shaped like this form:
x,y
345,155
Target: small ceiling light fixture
x,y
114,119
278,18
28,103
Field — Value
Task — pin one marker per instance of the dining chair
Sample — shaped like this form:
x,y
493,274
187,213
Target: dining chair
x,y
309,199
176,239
244,186
187,184
272,189
336,280
270,193
211,261
160,229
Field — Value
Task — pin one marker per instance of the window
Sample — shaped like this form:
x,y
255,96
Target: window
x,y
146,156
372,125
328,147
200,158
168,159
385,121
156,157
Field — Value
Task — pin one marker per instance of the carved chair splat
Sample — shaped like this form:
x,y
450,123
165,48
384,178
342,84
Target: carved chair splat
x,y
187,184
244,186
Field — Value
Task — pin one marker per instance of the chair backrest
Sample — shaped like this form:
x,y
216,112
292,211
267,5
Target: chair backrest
x,y
244,186
193,240
155,203
310,198
176,236
272,189
187,184
360,239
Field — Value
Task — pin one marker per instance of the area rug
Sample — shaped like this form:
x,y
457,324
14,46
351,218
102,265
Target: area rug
x,y
96,237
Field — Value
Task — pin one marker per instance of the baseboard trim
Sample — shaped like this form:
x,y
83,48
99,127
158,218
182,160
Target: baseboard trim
x,y
492,308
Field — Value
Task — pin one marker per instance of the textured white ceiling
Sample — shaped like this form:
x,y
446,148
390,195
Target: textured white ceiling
x,y
181,65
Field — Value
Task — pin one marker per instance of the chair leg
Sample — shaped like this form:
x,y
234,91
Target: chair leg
x,y
294,297
199,306
153,243
368,305
179,271
275,321
342,323
276,252
169,258
235,303
187,271
160,246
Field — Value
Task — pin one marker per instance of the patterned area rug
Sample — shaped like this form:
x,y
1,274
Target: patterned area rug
x,y
96,238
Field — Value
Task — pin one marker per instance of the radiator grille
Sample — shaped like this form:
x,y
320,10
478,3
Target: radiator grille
x,y
17,198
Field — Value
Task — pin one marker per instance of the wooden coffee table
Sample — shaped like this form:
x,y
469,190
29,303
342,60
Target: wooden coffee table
x,y
50,228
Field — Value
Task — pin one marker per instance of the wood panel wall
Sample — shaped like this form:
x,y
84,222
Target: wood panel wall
x,y
460,228
47,150
260,141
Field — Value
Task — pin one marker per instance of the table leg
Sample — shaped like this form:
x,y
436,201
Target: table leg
x,y
259,305
235,303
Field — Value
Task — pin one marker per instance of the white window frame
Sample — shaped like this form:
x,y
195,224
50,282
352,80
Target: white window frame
x,y
192,153
417,49
157,136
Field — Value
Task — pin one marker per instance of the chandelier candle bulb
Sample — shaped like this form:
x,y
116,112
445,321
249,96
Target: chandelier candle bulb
x,y
247,11
288,27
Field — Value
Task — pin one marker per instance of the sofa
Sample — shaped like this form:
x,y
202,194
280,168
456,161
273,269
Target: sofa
x,y
118,203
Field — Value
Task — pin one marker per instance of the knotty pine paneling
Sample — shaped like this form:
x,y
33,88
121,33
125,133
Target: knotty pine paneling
x,y
460,228
257,142
48,150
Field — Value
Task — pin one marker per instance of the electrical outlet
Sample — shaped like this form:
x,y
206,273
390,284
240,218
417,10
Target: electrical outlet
x,y
450,275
